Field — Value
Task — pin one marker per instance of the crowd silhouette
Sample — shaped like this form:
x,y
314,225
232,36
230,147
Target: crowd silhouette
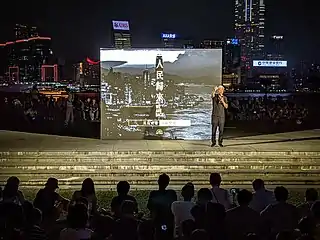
x,y
212,215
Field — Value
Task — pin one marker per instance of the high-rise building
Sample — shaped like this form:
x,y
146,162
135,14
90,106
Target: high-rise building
x,y
231,72
87,72
170,40
121,34
277,51
209,43
249,28
25,58
24,31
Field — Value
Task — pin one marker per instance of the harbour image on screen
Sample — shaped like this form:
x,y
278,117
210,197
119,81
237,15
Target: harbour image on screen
x,y
158,93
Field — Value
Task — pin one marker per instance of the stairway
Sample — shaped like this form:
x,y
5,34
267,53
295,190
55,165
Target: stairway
x,y
142,168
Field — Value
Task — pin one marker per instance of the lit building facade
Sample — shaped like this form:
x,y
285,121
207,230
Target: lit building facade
x,y
250,28
87,72
277,48
231,72
208,43
121,35
24,32
27,56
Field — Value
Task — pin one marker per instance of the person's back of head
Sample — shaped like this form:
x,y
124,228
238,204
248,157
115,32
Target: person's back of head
x,y
200,234
244,197
311,195
307,225
251,236
281,194
204,195
123,188
52,184
188,192
87,187
258,184
188,226
77,216
215,179
126,228
163,181
11,187
103,226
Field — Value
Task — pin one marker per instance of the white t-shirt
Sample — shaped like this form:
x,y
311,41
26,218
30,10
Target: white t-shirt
x,y
75,234
181,211
220,195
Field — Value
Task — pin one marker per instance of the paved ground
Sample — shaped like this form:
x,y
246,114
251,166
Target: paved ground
x,y
302,141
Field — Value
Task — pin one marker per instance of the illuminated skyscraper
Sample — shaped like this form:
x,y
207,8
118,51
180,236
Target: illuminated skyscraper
x,y
249,28
208,43
121,34
25,31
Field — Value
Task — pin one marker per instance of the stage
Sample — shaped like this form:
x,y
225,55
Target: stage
x,y
290,159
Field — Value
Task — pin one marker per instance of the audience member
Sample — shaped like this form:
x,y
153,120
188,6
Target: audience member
x,y
220,195
311,196
33,230
261,197
123,188
188,226
77,224
102,227
182,209
11,191
281,216
49,201
199,234
242,220
199,211
159,203
87,191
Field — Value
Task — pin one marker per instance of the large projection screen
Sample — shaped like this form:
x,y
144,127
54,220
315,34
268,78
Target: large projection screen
x,y
158,93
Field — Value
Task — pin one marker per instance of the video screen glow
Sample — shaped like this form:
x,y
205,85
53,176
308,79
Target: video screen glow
x,y
158,93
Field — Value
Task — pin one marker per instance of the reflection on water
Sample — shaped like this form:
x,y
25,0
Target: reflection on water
x,y
200,116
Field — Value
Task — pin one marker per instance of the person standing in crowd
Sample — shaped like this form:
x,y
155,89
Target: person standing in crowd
x,y
311,196
261,196
94,110
159,204
182,209
11,192
219,105
219,195
69,110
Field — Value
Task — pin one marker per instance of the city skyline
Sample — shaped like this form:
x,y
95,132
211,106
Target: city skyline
x,y
74,37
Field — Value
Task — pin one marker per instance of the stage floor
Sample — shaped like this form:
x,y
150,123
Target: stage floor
x,y
290,159
302,141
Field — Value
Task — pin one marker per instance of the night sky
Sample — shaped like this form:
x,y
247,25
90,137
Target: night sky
x,y
80,28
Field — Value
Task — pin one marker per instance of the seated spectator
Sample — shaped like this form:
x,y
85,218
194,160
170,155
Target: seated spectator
x,y
242,220
126,226
281,216
311,196
220,195
49,201
159,203
199,211
261,197
11,192
77,224
87,191
182,209
103,227
34,230
215,221
123,188
11,221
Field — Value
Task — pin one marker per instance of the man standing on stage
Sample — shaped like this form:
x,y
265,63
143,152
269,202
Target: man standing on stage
x,y
219,105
